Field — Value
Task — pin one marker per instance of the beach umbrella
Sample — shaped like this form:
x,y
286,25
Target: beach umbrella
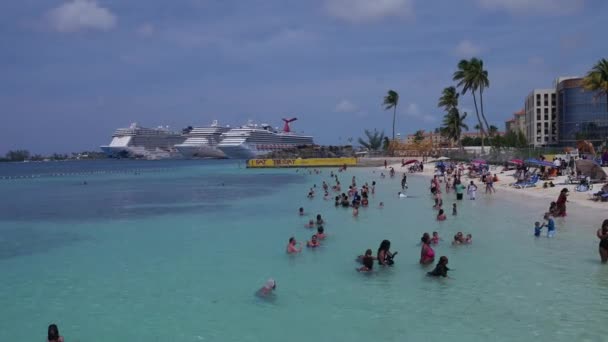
x,y
443,158
411,161
516,161
539,162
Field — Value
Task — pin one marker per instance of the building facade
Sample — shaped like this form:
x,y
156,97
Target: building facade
x,y
436,139
517,123
582,115
541,118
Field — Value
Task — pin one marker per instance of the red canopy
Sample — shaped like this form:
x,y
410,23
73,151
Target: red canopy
x,y
411,161
516,161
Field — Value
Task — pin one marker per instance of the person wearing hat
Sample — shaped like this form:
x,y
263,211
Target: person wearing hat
x,y
560,210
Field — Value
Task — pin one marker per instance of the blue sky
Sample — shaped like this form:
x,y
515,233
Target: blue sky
x,y
73,71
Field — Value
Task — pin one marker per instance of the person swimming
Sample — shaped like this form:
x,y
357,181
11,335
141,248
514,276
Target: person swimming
x,y
321,233
458,239
355,211
310,224
320,220
441,215
469,239
313,242
454,210
427,254
292,246
367,260
381,205
267,289
301,211
441,270
435,239
53,334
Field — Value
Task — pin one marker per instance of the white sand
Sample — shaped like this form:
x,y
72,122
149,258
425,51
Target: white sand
x,y
504,189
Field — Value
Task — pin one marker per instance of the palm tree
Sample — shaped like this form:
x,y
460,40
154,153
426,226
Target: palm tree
x,y
479,127
453,125
374,140
597,79
493,130
480,80
468,77
448,99
391,100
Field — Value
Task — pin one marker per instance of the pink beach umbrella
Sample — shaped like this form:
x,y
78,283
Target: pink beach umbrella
x,y
516,161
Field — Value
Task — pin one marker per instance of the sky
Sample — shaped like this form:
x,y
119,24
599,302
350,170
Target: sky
x,y
71,72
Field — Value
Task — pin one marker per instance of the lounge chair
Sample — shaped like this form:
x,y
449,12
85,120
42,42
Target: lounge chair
x,y
527,184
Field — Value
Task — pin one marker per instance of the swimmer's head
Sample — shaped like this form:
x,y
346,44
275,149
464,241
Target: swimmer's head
x,y
368,252
292,240
314,237
320,230
537,224
318,217
435,234
382,204
440,212
443,260
385,245
311,222
469,236
425,238
301,209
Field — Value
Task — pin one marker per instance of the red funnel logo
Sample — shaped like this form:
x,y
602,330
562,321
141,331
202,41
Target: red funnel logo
x,y
287,122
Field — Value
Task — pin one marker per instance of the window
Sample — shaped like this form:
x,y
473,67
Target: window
x,y
546,96
546,103
537,97
546,111
537,110
546,117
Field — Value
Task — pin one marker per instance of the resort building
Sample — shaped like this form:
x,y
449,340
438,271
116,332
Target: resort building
x,y
436,139
541,117
581,114
517,123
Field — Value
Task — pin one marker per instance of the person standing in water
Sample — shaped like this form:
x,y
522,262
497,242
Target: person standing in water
x,y
441,270
292,246
602,234
472,190
459,190
403,182
454,210
427,254
384,256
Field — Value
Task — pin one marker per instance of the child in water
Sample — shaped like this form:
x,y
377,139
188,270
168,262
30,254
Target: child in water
x,y
381,205
454,210
319,220
469,239
301,211
355,211
537,229
441,216
310,224
368,262
441,270
435,239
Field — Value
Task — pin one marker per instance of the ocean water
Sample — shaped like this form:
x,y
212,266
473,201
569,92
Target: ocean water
x,y
175,250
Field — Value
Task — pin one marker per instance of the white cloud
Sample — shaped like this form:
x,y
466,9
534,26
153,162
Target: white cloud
x,y
466,49
533,6
345,106
145,30
368,10
79,15
413,111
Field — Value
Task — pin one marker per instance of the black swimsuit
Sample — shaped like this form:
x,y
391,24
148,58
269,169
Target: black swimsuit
x,y
604,243
439,271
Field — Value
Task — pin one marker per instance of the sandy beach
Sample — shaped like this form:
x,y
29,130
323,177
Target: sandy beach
x,y
503,186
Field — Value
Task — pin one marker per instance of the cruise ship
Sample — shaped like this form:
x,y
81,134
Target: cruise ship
x,y
145,143
252,140
201,142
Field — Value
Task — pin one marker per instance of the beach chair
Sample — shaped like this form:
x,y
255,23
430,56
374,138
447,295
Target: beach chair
x,y
527,184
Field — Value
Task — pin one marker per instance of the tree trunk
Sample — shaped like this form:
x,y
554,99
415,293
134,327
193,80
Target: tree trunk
x,y
481,130
483,115
394,115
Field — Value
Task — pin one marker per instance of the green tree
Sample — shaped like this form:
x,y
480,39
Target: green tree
x,y
596,79
374,140
386,143
418,136
448,99
493,130
17,155
472,77
391,101
521,139
453,125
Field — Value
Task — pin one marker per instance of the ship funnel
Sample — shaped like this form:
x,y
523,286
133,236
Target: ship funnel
x,y
287,122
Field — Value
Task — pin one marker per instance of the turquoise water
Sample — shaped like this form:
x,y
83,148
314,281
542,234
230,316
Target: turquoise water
x,y
174,251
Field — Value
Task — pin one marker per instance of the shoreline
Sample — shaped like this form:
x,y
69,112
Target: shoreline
x,y
580,199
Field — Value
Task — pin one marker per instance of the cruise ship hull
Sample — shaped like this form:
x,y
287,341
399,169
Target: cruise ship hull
x,y
200,151
242,151
139,152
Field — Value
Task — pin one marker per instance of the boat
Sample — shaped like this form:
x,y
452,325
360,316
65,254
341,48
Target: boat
x,y
144,143
252,140
201,142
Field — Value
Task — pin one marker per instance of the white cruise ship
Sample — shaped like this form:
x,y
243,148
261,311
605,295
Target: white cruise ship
x,y
251,140
201,142
146,143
